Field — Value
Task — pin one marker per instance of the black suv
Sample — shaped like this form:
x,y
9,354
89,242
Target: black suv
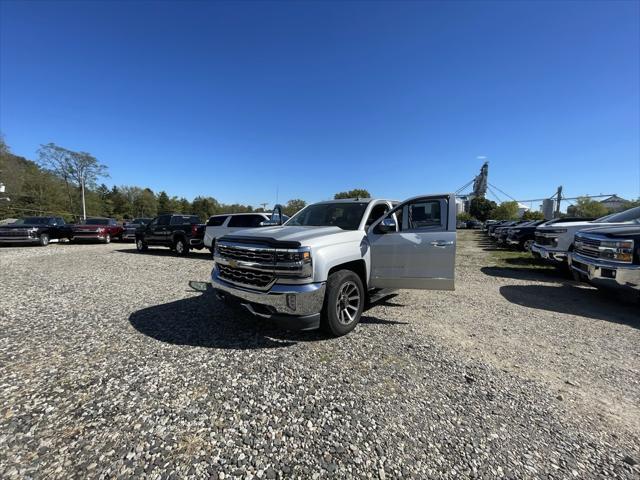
x,y
175,231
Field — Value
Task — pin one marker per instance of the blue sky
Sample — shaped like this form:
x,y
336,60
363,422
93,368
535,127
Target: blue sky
x,y
240,100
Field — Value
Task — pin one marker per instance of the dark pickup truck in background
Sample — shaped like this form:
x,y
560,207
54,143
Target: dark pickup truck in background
x,y
132,227
35,231
178,232
608,257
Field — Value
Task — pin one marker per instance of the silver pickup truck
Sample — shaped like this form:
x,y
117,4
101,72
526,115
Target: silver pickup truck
x,y
327,263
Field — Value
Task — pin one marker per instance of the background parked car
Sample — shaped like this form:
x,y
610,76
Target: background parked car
x,y
608,257
175,231
132,227
35,230
220,225
554,242
523,236
98,229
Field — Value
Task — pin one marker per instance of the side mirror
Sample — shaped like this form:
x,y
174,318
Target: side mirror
x,y
387,225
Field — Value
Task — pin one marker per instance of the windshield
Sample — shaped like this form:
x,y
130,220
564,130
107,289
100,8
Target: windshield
x,y
626,216
346,216
96,221
33,220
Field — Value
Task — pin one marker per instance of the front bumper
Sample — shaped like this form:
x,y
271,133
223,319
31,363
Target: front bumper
x,y
512,241
557,256
295,307
606,274
19,240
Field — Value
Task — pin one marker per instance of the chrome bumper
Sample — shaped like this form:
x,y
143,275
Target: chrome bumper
x,y
295,306
19,240
605,273
511,241
552,255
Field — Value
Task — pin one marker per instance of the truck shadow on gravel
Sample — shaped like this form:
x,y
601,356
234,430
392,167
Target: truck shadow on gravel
x,y
616,307
204,321
165,252
554,275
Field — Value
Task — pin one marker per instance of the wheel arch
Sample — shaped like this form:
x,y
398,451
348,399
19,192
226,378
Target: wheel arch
x,y
359,267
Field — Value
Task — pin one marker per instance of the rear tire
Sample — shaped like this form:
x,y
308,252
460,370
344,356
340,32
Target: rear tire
x,y
44,239
181,247
343,303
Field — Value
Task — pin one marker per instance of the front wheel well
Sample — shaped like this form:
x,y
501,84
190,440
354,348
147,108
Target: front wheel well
x,y
356,266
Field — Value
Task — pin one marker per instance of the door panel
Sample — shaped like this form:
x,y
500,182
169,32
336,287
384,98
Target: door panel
x,y
420,252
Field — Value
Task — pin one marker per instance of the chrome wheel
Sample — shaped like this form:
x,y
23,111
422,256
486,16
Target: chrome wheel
x,y
179,247
139,245
348,303
527,245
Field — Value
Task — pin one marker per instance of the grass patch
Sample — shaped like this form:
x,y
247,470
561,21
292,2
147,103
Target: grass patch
x,y
515,259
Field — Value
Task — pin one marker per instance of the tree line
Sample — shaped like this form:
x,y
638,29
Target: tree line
x,y
54,184
483,209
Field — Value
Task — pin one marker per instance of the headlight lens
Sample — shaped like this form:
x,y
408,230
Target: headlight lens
x,y
294,263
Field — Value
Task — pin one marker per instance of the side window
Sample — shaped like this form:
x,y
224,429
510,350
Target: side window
x,y
216,221
256,220
239,221
376,213
423,215
419,215
60,221
164,219
153,222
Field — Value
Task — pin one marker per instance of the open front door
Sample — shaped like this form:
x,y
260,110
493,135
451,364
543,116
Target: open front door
x,y
414,245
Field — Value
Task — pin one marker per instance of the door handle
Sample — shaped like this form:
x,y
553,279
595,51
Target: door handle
x,y
441,243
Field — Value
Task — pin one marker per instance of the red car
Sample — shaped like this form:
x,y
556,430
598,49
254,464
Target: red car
x,y
98,229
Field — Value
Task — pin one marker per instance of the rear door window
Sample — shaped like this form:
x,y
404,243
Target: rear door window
x,y
216,221
246,221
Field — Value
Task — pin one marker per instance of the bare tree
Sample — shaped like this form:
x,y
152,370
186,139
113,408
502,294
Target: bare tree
x,y
58,161
80,169
85,171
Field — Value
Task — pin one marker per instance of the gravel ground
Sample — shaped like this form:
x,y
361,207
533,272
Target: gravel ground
x,y
111,367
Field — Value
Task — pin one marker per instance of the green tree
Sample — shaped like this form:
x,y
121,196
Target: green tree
x,y
294,206
204,207
506,211
532,215
355,193
585,207
464,217
164,203
145,204
481,208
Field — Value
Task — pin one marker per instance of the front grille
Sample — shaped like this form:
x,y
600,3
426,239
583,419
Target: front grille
x,y
15,232
245,276
545,241
588,247
254,255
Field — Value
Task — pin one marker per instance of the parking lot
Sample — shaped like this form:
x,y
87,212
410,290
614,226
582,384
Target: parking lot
x,y
111,366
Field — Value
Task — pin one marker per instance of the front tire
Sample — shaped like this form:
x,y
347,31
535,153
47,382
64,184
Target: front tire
x,y
44,239
107,239
344,302
181,247
141,246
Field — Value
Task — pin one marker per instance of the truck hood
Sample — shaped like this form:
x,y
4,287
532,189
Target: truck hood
x,y
295,236
616,230
575,226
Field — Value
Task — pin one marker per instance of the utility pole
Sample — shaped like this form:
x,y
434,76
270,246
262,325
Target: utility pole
x,y
264,205
84,208
558,199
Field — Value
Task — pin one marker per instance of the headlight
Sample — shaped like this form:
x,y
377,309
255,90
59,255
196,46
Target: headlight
x,y
620,251
294,263
517,230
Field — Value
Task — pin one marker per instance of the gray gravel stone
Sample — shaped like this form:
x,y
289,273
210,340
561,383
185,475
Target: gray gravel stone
x,y
111,367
